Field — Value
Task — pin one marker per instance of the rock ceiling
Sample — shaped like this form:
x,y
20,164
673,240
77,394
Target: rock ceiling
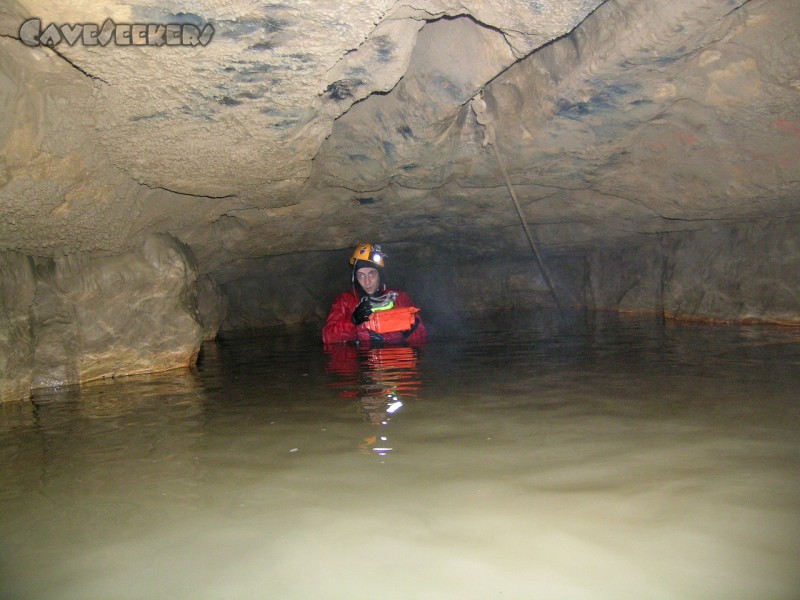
x,y
312,125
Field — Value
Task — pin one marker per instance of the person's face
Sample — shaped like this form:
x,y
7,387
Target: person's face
x,y
369,279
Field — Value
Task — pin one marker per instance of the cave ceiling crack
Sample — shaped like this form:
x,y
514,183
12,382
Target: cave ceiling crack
x,y
230,212
627,199
201,196
424,11
518,57
232,196
62,57
78,67
737,8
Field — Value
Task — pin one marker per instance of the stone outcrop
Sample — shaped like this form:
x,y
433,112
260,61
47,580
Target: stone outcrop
x,y
17,288
77,318
727,272
212,306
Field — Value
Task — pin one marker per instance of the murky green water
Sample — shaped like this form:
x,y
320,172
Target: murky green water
x,y
622,459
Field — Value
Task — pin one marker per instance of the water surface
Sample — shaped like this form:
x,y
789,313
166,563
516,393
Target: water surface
x,y
620,458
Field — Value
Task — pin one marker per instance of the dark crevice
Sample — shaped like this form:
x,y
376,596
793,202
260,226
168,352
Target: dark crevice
x,y
76,67
61,56
737,8
201,196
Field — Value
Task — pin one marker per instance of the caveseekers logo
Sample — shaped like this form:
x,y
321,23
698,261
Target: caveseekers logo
x,y
137,34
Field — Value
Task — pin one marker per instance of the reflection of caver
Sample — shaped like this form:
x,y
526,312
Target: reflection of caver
x,y
370,311
381,378
376,408
374,371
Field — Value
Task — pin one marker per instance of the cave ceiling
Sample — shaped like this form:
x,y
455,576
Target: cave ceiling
x,y
311,125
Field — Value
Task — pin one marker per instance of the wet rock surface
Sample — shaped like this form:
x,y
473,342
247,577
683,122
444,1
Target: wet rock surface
x,y
17,288
82,318
744,272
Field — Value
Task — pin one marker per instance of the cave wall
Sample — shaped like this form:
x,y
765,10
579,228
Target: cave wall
x,y
76,318
744,271
284,290
725,272
17,288
728,271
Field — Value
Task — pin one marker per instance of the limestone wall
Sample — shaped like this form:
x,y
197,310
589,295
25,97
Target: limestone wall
x,y
17,286
726,272
75,318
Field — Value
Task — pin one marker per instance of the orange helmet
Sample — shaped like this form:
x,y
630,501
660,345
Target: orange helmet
x,y
370,253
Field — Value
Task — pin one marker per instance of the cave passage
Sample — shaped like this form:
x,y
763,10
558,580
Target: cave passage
x,y
609,458
164,202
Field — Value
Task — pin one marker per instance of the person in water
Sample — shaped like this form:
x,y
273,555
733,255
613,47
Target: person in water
x,y
349,316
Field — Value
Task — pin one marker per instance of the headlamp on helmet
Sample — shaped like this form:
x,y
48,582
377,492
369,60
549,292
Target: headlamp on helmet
x,y
370,253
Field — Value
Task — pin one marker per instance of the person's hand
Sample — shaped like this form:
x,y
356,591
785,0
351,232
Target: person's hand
x,y
413,327
375,338
362,312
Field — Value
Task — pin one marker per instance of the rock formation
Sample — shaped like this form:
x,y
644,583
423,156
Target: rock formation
x,y
76,318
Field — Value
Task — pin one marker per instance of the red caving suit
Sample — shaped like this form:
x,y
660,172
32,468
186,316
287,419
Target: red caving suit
x,y
339,326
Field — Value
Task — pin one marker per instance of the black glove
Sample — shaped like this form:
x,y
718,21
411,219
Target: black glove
x,y
413,327
375,338
362,312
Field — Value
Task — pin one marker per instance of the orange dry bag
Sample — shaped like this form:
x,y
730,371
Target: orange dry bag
x,y
394,319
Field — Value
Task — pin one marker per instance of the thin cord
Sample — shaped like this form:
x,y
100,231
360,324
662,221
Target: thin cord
x,y
525,227
480,109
